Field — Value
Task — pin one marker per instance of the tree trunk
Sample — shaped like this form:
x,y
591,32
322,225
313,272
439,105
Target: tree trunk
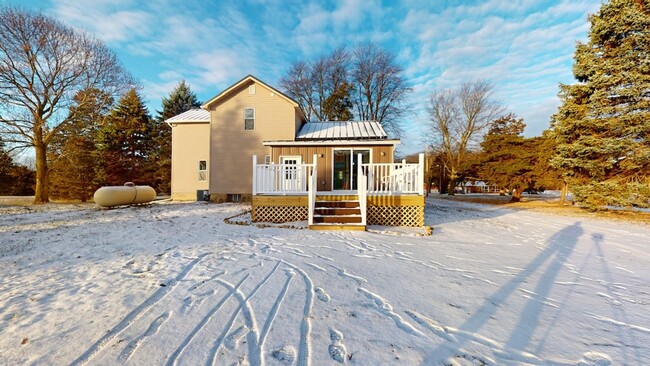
x,y
42,194
563,194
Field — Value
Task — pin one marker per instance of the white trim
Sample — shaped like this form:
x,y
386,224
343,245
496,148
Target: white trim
x,y
332,143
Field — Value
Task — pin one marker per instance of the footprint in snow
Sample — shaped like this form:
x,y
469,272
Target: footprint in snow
x,y
286,354
322,295
337,349
595,359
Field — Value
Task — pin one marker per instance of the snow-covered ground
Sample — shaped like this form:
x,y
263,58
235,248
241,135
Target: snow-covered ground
x,y
172,284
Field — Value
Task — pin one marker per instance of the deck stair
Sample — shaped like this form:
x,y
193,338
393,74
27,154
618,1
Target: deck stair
x,y
337,213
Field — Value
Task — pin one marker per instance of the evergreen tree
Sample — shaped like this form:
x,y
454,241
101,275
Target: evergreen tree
x,y
603,122
180,100
514,162
125,144
15,180
338,106
73,151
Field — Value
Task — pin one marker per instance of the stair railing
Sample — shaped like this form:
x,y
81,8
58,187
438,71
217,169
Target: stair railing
x,y
313,181
362,190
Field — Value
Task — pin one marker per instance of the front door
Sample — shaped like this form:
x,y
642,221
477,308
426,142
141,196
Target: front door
x,y
345,167
291,175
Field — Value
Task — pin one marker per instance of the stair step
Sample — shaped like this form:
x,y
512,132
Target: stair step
x,y
338,211
340,204
337,227
341,219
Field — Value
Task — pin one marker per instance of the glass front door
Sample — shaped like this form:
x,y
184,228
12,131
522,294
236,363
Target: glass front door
x,y
345,167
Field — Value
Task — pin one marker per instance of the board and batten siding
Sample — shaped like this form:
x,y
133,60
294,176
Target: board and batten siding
x,y
325,162
233,147
191,142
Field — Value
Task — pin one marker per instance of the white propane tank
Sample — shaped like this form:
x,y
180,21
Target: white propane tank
x,y
128,194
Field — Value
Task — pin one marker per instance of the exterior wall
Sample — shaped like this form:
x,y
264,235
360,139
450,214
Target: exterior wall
x,y
233,146
325,162
190,143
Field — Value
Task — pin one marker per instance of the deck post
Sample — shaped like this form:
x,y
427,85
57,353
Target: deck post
x,y
254,174
421,173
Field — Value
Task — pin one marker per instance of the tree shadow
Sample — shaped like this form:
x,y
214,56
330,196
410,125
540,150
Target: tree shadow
x,y
560,246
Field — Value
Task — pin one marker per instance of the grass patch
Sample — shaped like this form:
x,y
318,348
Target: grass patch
x,y
551,204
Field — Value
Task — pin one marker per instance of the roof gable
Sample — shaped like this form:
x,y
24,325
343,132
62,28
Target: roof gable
x,y
242,82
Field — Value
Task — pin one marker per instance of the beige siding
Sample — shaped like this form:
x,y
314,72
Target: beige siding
x,y
325,156
233,147
191,143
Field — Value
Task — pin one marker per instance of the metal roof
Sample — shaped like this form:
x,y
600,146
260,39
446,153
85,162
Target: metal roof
x,y
347,130
193,115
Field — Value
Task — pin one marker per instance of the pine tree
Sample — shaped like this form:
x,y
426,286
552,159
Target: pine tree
x,y
73,151
180,100
125,144
338,106
603,122
514,162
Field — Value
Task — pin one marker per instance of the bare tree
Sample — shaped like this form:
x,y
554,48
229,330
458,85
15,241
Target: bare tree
x,y
367,77
381,88
43,65
459,118
313,84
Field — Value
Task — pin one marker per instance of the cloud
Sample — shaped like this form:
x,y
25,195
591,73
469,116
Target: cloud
x,y
103,19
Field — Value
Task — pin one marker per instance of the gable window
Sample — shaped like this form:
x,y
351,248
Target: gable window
x,y
251,89
249,118
203,170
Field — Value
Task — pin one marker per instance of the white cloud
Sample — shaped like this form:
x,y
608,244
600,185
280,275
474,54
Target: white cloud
x,y
103,19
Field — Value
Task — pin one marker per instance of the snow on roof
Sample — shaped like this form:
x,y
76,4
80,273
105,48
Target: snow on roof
x,y
345,130
193,115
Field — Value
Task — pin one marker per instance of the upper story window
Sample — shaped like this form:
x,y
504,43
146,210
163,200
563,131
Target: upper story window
x,y
251,89
249,118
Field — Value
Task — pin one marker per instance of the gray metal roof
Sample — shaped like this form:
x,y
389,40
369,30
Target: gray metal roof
x,y
347,130
193,115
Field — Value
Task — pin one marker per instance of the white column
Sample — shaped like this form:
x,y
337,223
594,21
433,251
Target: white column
x,y
421,174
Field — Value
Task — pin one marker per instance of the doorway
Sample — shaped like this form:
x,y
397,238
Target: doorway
x,y
344,168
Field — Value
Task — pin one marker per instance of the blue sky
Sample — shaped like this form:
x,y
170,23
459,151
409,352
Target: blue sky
x,y
524,47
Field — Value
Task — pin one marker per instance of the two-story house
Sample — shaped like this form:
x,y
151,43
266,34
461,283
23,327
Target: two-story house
x,y
253,143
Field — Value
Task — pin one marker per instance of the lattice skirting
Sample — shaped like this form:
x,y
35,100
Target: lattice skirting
x,y
396,215
279,214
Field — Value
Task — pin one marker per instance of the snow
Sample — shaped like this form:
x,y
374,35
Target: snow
x,y
172,284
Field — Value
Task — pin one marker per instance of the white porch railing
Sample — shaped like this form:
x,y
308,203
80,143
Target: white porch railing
x,y
379,179
280,178
395,178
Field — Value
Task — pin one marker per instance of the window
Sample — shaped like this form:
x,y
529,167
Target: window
x,y
267,159
251,89
203,170
249,119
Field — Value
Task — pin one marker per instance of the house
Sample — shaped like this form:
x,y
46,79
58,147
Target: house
x,y
252,143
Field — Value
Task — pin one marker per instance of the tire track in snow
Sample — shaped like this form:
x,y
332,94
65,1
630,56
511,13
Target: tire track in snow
x,y
133,316
304,351
153,329
254,356
272,314
206,319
